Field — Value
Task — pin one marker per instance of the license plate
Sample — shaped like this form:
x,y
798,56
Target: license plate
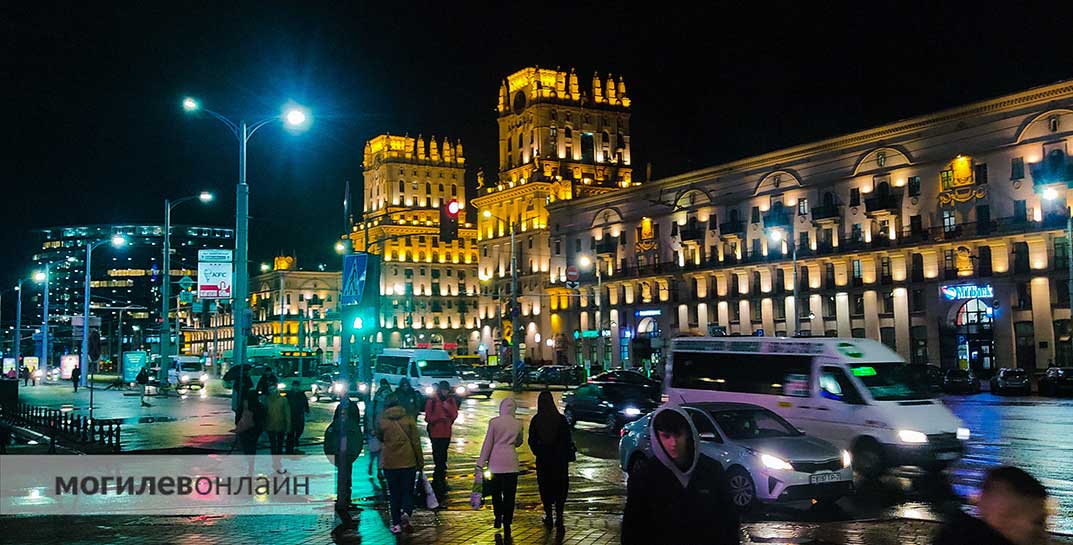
x,y
820,478
946,456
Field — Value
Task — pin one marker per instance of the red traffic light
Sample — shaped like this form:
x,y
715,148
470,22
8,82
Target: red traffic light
x,y
453,208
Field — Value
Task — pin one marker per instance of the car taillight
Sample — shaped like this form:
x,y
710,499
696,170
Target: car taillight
x,y
622,432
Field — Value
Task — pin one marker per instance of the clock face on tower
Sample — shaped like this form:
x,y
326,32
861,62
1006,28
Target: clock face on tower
x,y
519,102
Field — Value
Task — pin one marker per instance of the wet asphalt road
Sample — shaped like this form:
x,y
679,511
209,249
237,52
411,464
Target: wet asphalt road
x,y
1031,432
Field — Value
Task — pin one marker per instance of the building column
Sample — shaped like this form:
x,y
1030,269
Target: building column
x,y
871,315
901,322
1042,321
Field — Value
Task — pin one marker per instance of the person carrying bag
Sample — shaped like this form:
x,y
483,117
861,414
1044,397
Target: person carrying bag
x,y
400,457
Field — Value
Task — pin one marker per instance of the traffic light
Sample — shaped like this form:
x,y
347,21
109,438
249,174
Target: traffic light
x,y
449,220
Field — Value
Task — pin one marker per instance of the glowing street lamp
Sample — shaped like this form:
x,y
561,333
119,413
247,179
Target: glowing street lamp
x,y
165,284
117,241
293,117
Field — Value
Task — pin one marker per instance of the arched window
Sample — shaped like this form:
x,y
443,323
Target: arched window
x,y
568,133
828,199
734,216
1056,158
402,186
441,189
428,188
883,189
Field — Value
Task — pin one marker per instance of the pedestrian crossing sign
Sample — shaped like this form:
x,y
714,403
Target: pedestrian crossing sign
x,y
354,270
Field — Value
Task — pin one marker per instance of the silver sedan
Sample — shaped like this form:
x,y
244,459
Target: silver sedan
x,y
765,457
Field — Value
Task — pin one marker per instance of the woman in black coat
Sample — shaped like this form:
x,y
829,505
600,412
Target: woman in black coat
x,y
551,443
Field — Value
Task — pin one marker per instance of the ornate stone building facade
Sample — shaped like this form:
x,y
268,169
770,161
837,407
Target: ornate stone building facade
x,y
557,142
943,236
428,286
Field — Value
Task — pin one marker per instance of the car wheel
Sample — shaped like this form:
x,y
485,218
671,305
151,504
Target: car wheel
x,y
612,423
868,458
742,489
569,415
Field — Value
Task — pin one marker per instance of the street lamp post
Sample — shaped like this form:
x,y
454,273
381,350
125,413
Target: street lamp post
x,y
515,356
1051,195
294,117
117,241
43,278
165,284
776,236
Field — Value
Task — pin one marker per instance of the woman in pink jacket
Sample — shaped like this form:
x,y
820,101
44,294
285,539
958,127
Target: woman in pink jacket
x,y
500,454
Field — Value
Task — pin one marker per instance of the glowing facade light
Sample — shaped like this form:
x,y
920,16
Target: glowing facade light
x,y
1050,194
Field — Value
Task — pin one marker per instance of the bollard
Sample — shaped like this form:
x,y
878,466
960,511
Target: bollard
x,y
52,442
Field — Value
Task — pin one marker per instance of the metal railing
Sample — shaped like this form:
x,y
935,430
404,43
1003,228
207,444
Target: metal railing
x,y
65,425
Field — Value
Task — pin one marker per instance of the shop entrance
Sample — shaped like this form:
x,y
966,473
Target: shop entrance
x,y
648,347
975,337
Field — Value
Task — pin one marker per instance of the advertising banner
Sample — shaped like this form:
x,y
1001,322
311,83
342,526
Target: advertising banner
x,y
133,363
67,363
214,280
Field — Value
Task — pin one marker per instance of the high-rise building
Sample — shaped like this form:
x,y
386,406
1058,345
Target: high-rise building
x,y
557,142
428,286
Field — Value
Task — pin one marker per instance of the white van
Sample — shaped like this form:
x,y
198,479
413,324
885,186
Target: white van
x,y
187,372
855,393
424,367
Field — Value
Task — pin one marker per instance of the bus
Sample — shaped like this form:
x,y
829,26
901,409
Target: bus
x,y
287,362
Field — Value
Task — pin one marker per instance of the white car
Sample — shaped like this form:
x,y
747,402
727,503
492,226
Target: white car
x,y
766,459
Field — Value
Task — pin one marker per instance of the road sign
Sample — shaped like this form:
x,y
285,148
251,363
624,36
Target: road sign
x,y
572,274
185,282
186,297
217,255
573,285
354,268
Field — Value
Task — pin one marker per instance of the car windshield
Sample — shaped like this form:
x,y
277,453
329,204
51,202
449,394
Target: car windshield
x,y
893,381
957,373
191,366
627,392
1015,373
438,368
753,424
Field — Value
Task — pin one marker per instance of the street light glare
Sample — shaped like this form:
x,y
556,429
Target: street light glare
x,y
40,276
1050,194
487,213
264,267
340,247
190,105
205,196
776,236
295,117
585,261
119,240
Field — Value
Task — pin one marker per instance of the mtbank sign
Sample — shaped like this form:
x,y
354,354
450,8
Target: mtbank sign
x,y
970,291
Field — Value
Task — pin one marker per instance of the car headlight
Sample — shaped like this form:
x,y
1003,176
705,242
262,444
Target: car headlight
x,y
846,458
772,462
204,378
631,411
492,385
337,387
281,386
963,434
185,378
461,390
362,387
429,390
473,386
911,436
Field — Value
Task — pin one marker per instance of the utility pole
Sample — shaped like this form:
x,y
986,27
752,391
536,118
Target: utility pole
x,y
514,312
44,324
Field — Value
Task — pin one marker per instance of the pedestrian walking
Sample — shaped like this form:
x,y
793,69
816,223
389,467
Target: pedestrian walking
x,y
250,425
1013,511
267,380
372,428
680,496
25,372
401,458
409,399
277,424
299,408
441,410
500,454
143,380
553,447
76,375
343,435
33,376
238,392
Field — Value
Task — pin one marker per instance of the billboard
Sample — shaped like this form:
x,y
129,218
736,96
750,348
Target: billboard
x,y
9,364
67,363
214,274
133,363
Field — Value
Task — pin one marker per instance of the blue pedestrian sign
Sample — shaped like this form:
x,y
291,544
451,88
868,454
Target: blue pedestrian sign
x,y
355,267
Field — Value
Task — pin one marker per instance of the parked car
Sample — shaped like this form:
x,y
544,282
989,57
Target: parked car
x,y
755,445
932,374
559,375
330,385
1008,380
961,381
477,385
625,376
1056,381
609,404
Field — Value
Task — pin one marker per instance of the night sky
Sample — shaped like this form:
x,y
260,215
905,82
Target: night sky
x,y
99,135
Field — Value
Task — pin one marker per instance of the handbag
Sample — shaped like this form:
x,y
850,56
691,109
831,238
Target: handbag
x,y
476,496
245,422
426,488
422,488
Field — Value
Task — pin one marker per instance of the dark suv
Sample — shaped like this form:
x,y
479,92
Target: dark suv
x,y
609,403
1011,380
962,381
1056,381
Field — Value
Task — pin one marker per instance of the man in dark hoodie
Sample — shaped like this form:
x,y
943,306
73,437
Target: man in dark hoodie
x,y
680,496
1013,511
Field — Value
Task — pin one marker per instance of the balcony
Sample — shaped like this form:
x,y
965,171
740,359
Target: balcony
x,y
696,233
780,217
607,245
732,228
883,204
1056,168
826,214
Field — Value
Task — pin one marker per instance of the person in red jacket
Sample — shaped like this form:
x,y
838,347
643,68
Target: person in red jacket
x,y
441,410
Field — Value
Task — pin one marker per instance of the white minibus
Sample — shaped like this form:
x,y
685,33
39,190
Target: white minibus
x,y
423,367
855,393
